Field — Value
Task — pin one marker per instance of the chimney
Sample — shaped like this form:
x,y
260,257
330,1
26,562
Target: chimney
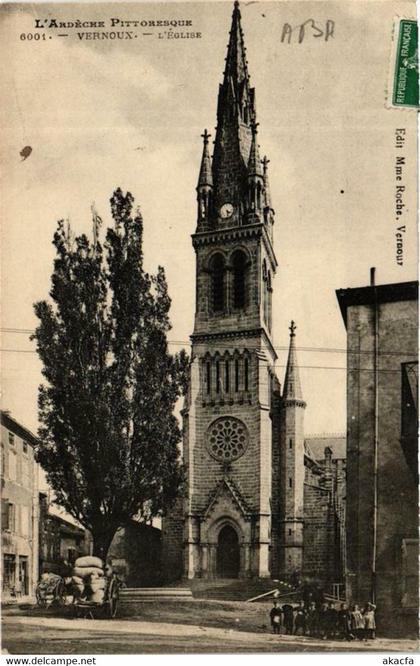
x,y
372,276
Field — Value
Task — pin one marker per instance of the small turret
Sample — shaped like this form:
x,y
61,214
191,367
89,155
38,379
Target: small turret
x,y
255,169
265,162
255,179
268,209
292,391
292,463
205,182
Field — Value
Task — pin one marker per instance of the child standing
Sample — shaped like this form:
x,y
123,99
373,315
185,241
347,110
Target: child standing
x,y
323,621
344,623
357,622
288,618
370,623
312,619
275,618
300,619
332,618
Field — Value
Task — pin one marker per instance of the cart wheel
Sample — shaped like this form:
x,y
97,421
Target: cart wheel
x,y
113,599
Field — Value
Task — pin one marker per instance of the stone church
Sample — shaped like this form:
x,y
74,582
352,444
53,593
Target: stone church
x,y
258,500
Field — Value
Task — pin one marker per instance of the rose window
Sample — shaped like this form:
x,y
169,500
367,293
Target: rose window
x,y
227,439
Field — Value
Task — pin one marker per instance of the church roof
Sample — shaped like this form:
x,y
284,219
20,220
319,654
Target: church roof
x,y
315,446
382,293
292,388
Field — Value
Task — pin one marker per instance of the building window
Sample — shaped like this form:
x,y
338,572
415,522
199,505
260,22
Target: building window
x,y
217,377
11,517
246,374
290,482
239,279
290,532
9,573
290,444
217,269
23,587
11,439
227,439
236,375
227,378
208,377
25,447
8,516
268,306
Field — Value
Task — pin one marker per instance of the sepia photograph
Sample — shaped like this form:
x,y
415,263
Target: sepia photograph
x,y
209,269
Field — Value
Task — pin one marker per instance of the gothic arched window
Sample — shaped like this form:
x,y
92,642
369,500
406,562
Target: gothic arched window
x,y
265,290
236,375
227,376
269,291
239,279
246,374
217,269
208,377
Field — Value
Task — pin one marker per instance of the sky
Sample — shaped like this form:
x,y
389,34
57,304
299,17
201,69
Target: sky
x,y
129,113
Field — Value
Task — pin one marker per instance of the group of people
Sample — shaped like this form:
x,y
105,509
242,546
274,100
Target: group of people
x,y
324,620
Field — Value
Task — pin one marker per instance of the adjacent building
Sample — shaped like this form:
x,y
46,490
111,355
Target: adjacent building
x,y
61,539
258,502
382,468
19,504
37,536
135,554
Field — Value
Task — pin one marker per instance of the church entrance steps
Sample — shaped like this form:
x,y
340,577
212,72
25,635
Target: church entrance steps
x,y
235,589
135,594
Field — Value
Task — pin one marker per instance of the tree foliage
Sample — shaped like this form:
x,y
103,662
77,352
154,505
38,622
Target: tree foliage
x,y
108,436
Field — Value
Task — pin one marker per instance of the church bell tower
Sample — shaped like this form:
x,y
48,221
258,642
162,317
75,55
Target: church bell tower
x,y
228,424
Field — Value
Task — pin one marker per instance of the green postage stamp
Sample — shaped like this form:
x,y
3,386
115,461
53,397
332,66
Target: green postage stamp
x,y
406,72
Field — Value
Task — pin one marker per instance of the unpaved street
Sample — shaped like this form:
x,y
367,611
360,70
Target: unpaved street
x,y
29,635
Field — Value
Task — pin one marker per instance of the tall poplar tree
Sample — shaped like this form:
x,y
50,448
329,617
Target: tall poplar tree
x,y
109,437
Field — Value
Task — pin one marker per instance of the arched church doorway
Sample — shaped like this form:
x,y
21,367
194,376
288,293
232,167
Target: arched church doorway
x,y
228,555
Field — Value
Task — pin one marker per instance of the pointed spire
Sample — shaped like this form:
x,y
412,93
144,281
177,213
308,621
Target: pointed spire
x,y
205,177
236,65
254,162
292,389
235,113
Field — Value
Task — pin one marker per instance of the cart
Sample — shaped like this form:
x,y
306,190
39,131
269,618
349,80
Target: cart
x,y
109,606
50,590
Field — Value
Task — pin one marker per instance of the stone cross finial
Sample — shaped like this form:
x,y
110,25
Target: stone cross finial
x,y
265,162
254,127
206,136
292,329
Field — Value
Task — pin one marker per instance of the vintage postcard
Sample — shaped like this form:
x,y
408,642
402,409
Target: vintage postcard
x,y
209,327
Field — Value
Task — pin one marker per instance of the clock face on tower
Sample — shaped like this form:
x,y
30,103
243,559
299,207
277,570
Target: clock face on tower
x,y
226,211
